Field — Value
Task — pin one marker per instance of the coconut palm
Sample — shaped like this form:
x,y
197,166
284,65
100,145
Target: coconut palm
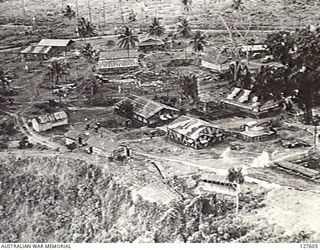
x,y
156,29
187,4
127,39
184,27
85,28
5,82
236,176
199,42
69,12
184,30
57,70
89,53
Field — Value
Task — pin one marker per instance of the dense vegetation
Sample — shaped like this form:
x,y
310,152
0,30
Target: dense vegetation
x,y
67,200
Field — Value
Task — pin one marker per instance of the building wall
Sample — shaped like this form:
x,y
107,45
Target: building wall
x,y
39,127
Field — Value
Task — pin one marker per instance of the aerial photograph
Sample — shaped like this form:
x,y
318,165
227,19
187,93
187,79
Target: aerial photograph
x,y
159,121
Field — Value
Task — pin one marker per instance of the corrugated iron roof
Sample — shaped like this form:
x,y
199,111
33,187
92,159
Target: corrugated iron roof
x,y
189,126
34,49
147,41
118,63
72,134
53,117
253,48
106,144
146,107
55,42
118,54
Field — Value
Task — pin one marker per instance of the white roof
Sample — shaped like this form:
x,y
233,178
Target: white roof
x,y
55,42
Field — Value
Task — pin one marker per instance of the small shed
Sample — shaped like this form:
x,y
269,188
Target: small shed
x,y
35,52
103,146
73,136
49,121
258,134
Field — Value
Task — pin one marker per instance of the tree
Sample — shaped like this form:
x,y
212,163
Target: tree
x,y
57,70
189,85
69,12
4,81
280,45
85,28
89,53
187,4
184,28
155,28
132,16
236,176
199,42
127,39
185,31
125,108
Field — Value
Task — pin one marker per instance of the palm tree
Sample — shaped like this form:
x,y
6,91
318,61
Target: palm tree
x,y
199,42
58,69
89,53
4,80
127,39
185,31
184,27
69,12
187,4
236,176
156,29
85,28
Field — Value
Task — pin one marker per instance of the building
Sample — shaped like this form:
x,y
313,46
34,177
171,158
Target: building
x,y
49,121
34,52
193,132
253,48
246,102
305,165
46,49
148,44
59,45
219,64
118,62
257,134
73,136
149,112
100,145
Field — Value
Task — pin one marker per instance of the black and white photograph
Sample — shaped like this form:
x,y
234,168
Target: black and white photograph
x,y
159,121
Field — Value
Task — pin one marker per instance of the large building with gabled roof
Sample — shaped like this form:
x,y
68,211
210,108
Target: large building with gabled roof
x,y
195,133
118,61
49,121
150,112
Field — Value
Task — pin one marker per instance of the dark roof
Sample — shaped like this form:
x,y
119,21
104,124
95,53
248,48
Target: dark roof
x,y
189,126
34,49
146,107
55,42
118,54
